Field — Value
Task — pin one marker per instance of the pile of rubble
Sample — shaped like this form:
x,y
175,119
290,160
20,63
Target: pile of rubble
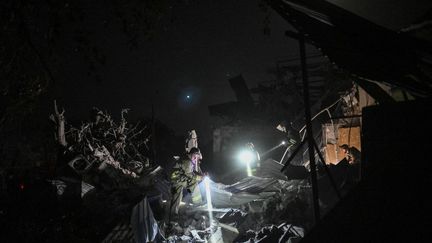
x,y
265,215
112,156
279,211
106,153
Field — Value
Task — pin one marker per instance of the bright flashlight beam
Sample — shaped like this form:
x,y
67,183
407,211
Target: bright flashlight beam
x,y
246,156
275,147
208,196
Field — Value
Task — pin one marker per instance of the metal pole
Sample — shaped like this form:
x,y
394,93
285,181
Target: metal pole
x,y
284,154
153,132
310,137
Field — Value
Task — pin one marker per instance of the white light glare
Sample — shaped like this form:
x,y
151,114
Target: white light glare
x,y
283,142
246,156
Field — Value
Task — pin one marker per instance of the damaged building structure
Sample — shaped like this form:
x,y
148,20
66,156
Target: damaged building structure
x,y
387,204
367,92
381,116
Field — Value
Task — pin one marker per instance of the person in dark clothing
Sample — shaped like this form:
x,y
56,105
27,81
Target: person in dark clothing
x,y
352,154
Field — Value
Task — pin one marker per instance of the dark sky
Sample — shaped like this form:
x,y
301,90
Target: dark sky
x,y
206,43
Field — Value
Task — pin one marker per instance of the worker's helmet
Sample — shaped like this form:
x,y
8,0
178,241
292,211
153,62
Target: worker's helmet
x,y
195,150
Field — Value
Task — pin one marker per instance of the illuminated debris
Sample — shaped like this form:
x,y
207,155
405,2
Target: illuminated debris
x,y
222,235
247,190
289,205
143,222
282,233
270,169
255,207
104,147
252,184
196,236
234,217
85,187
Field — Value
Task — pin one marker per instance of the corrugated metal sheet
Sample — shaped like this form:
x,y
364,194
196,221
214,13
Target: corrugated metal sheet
x,y
122,233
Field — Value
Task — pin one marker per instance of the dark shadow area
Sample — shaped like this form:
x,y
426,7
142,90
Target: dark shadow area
x,y
390,202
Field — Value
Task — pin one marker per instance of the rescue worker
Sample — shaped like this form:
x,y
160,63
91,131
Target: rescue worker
x,y
351,154
256,158
352,158
186,174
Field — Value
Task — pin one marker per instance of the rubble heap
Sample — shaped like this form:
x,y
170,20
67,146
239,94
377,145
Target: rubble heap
x,y
113,157
279,211
106,153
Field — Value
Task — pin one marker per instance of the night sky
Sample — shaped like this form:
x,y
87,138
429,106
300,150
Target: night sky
x,y
197,49
200,48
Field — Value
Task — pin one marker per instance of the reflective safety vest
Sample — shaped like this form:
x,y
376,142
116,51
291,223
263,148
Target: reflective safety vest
x,y
183,175
196,195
